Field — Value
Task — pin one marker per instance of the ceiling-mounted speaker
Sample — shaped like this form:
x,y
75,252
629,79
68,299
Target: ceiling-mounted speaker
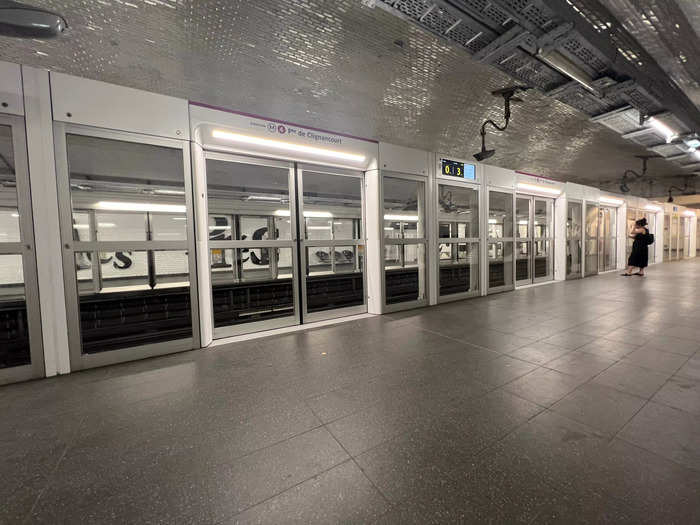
x,y
25,21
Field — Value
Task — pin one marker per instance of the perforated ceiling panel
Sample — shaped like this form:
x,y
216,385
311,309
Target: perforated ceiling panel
x,y
337,65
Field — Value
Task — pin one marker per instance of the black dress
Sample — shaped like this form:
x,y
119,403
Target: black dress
x,y
639,258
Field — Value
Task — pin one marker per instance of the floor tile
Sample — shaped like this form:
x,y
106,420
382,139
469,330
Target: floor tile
x,y
668,432
569,340
340,495
655,360
580,365
682,393
543,386
632,379
600,407
539,352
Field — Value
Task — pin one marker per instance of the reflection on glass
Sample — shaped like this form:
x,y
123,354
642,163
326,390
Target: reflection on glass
x,y
458,212
573,240
522,217
591,244
543,259
403,208
500,264
247,289
459,268
9,214
129,192
523,256
14,335
404,273
500,215
251,200
132,298
334,278
544,211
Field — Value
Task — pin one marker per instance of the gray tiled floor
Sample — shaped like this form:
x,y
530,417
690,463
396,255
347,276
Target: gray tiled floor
x,y
576,402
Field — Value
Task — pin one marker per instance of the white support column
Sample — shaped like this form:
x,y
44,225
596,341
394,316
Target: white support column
x,y
374,258
42,176
621,232
201,217
560,219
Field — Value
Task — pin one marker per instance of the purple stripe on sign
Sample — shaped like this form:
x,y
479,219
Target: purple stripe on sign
x,y
252,115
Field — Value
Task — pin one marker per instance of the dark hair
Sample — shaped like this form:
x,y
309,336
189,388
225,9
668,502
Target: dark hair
x,y
641,222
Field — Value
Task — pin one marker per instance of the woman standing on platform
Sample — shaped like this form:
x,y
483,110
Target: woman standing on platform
x,y
639,258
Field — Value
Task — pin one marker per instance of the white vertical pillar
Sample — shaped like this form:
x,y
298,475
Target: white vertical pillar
x,y
560,218
621,232
201,217
47,235
374,258
432,231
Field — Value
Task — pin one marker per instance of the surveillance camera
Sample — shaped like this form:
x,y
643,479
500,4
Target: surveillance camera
x,y
484,154
25,21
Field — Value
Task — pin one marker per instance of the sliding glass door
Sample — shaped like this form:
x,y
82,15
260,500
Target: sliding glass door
x,y
500,241
574,240
126,208
592,242
21,355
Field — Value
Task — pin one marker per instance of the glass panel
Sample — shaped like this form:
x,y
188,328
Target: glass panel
x,y
403,208
9,214
500,215
522,217
573,221
124,182
458,209
459,268
319,260
335,281
500,264
592,241
544,218
667,237
168,227
137,298
573,258
522,261
246,290
83,271
404,273
121,226
674,237
81,227
14,335
255,200
543,260
332,202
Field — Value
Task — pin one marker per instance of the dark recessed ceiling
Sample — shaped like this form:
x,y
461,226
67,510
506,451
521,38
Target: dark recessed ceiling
x,y
334,65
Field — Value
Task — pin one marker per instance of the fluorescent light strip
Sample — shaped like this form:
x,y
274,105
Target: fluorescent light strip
x,y
404,218
651,207
140,206
689,213
540,189
316,214
286,146
263,198
169,192
99,225
663,129
318,227
611,200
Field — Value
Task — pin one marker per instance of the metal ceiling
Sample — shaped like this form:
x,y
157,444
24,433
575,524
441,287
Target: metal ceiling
x,y
347,66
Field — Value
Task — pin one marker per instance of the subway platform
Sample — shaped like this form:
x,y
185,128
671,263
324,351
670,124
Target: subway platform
x,y
573,402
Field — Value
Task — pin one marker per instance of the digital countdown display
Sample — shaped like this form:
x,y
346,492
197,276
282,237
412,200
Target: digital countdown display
x,y
458,169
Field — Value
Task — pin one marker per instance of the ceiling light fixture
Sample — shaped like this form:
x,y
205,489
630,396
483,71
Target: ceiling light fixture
x,y
25,21
508,97
263,198
611,200
652,207
662,128
540,189
689,213
568,68
404,218
312,214
140,206
286,146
